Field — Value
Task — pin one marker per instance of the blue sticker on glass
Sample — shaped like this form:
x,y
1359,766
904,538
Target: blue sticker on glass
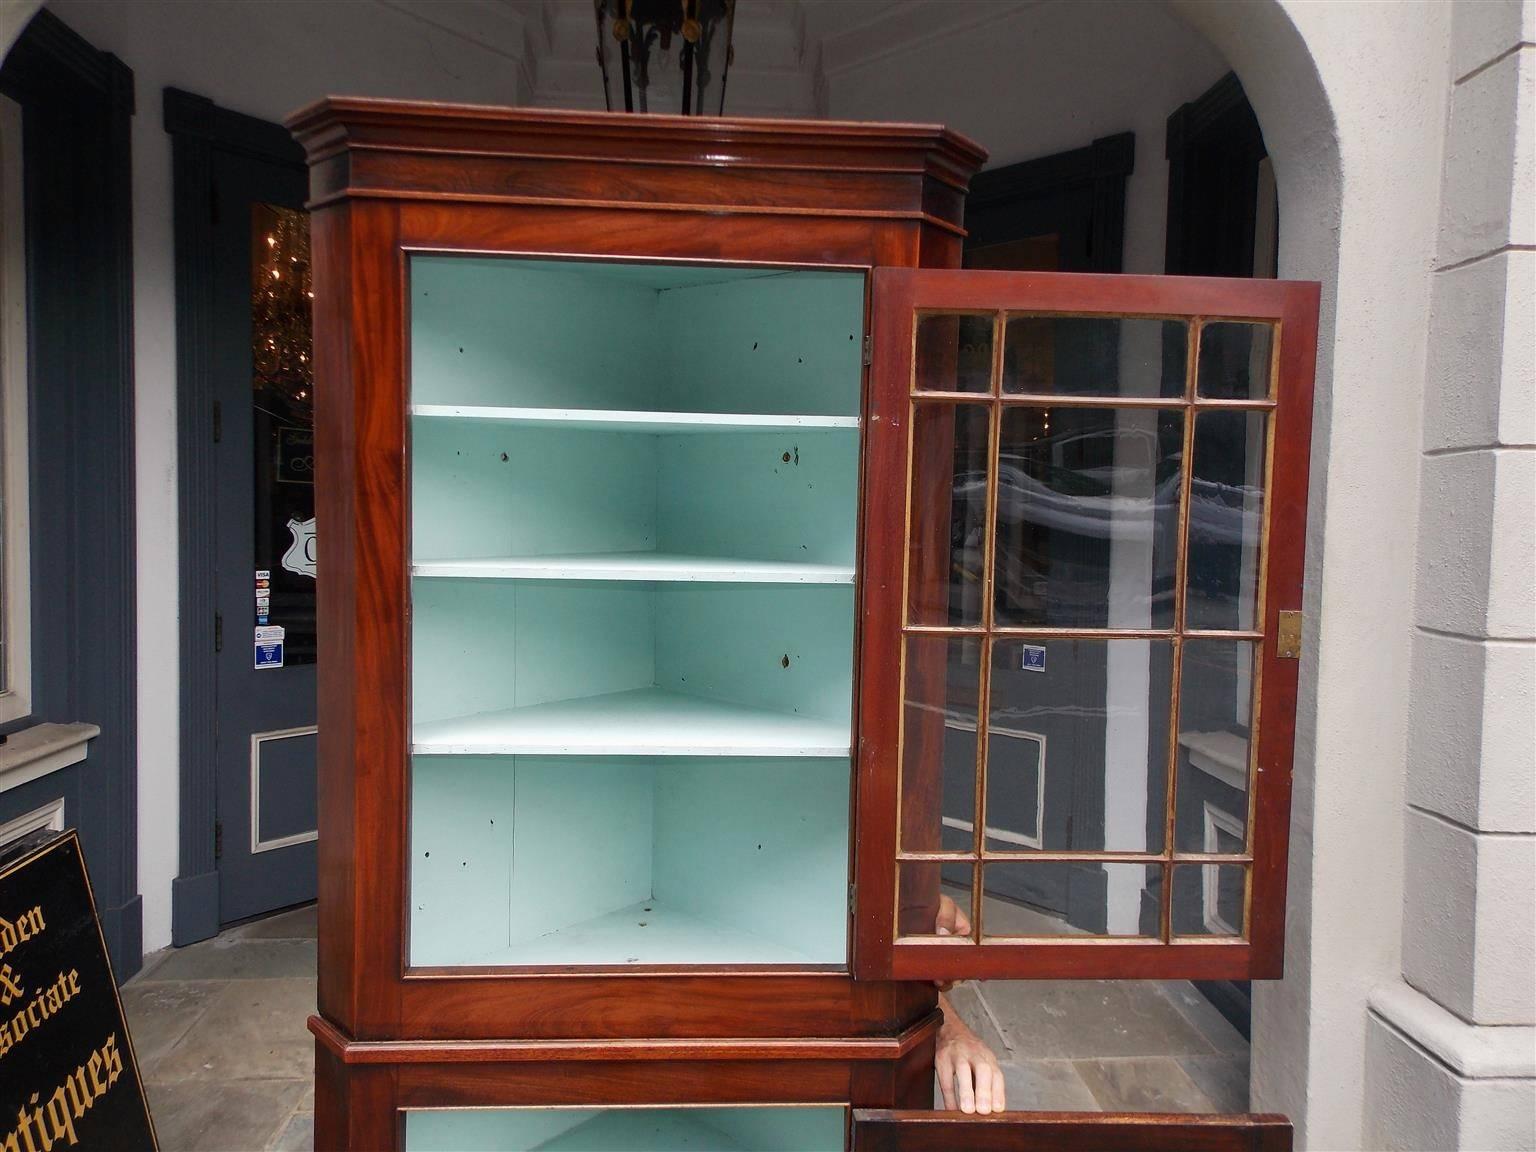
x,y
269,646
1033,659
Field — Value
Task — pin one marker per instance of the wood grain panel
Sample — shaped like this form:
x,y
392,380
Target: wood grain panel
x,y
1068,1132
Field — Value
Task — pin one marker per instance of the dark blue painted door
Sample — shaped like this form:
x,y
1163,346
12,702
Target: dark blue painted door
x,y
265,541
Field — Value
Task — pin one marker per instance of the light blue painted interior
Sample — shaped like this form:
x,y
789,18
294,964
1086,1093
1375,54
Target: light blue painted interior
x,y
786,343
527,860
461,854
729,643
484,645
565,491
566,334
687,1129
760,845
737,495
581,842
557,491
546,333
578,860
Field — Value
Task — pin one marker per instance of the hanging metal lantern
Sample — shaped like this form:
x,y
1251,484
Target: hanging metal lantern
x,y
644,30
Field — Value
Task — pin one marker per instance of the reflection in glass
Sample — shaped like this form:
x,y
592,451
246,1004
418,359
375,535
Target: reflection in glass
x,y
1087,517
283,426
1094,356
1215,723
1226,520
1209,899
954,353
938,743
1098,712
919,884
1234,361
946,540
1071,898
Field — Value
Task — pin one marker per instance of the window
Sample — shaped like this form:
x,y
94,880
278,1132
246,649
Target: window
x,y
15,553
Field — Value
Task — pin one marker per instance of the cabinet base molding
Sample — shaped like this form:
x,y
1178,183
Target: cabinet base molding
x,y
341,1047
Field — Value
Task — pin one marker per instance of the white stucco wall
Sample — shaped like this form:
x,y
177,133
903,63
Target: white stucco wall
x,y
1383,71
1046,78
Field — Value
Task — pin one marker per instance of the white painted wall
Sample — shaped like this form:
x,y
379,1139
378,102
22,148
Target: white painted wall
x,y
1029,80
265,60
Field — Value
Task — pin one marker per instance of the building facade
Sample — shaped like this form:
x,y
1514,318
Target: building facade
x,y
1401,143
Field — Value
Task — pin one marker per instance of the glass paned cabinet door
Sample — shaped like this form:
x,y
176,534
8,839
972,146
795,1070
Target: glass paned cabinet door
x,y
634,500
1079,679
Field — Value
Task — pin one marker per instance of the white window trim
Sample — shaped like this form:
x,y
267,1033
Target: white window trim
x,y
50,816
15,518
1217,821
43,748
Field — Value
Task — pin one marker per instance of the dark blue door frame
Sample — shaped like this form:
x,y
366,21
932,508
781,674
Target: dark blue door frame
x,y
77,104
203,135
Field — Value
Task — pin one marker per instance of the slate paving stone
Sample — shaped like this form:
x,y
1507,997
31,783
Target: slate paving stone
x,y
220,1030
1155,1084
1047,1086
1224,1079
1204,1016
1087,1019
295,924
236,1118
253,1030
231,958
297,1135
161,1014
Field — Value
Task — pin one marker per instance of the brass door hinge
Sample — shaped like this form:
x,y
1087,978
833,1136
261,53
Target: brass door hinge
x,y
1288,636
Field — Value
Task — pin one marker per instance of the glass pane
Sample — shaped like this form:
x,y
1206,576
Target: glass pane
x,y
1094,356
1095,713
933,898
1235,361
1215,720
1070,898
1226,520
954,353
1087,517
938,744
946,540
283,416
1208,899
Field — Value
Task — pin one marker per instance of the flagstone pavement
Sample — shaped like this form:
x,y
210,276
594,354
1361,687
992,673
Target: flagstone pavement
x,y
219,1028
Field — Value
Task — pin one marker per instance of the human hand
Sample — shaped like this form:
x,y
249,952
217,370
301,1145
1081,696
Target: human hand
x,y
950,920
970,1077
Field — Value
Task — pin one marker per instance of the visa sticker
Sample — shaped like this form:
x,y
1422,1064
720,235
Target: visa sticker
x,y
1033,658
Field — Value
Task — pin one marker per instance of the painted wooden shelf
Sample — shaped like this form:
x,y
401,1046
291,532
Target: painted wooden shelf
x,y
640,566
647,932
611,420
642,722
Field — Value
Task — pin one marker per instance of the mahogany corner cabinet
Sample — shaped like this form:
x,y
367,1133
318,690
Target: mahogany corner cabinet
x,y
716,577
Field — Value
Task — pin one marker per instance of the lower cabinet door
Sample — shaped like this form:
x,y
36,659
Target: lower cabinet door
x,y
882,1131
707,1128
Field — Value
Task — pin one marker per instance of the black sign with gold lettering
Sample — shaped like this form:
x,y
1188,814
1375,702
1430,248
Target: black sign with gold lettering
x,y
68,1077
